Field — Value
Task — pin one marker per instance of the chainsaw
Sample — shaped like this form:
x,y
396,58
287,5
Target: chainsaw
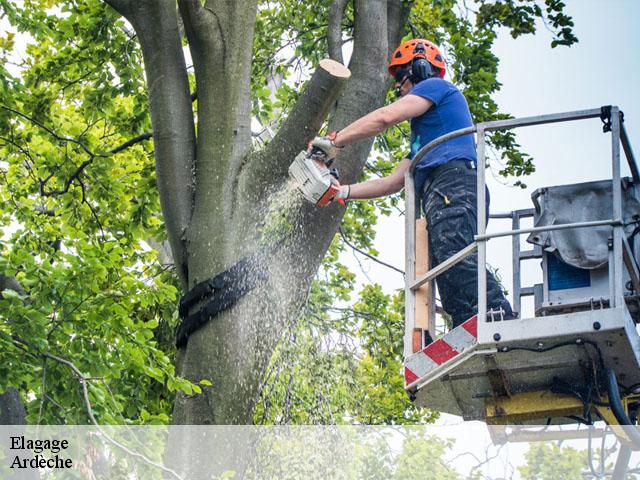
x,y
310,171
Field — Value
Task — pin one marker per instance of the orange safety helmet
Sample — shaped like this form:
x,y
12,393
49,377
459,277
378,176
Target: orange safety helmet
x,y
406,53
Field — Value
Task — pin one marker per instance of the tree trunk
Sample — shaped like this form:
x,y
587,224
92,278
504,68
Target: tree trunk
x,y
237,191
12,411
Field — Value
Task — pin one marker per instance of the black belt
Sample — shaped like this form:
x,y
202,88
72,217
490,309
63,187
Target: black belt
x,y
434,172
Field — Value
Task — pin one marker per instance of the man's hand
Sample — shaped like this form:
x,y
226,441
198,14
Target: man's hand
x,y
327,145
342,195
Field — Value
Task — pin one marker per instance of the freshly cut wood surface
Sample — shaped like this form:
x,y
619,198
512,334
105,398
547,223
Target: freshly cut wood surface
x,y
335,68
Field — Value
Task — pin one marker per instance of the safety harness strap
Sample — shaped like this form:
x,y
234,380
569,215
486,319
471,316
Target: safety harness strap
x,y
206,287
223,291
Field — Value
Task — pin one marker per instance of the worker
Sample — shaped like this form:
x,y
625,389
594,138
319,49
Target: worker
x,y
445,178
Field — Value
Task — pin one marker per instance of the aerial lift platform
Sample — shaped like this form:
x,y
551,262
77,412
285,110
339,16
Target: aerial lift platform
x,y
579,355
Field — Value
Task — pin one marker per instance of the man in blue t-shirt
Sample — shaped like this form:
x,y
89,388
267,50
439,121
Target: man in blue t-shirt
x,y
445,178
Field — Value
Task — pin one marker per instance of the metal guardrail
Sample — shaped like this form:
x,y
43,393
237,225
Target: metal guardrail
x,y
561,226
412,212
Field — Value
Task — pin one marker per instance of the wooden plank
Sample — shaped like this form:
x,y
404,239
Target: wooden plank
x,y
417,340
425,305
409,264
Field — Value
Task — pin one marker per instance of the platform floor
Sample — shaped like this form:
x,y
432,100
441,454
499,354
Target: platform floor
x,y
485,368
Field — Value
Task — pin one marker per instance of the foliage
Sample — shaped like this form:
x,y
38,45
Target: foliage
x,y
79,210
76,219
550,461
344,369
352,453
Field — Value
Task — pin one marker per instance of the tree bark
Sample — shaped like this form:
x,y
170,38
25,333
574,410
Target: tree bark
x,y
12,411
10,283
334,31
246,335
220,40
233,349
156,23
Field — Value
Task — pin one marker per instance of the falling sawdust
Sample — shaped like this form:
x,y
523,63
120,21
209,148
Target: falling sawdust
x,y
279,221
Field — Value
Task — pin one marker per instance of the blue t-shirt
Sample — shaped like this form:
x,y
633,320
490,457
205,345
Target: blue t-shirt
x,y
449,112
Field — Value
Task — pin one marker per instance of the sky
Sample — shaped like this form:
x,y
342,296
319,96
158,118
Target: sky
x,y
601,69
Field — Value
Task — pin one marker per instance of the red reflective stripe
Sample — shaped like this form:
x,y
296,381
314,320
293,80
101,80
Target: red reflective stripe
x,y
440,351
409,376
471,326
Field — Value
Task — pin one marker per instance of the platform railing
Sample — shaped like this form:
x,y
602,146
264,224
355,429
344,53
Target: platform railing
x,y
412,211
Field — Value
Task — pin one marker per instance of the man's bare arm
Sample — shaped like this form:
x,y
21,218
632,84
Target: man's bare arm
x,y
379,120
380,187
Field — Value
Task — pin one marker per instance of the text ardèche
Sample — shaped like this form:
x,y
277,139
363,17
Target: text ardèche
x,y
40,447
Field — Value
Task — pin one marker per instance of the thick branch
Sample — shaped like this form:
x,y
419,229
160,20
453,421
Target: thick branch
x,y
220,40
10,283
301,125
156,24
397,16
12,411
334,32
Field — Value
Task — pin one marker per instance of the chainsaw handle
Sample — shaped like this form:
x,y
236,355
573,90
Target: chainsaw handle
x,y
335,183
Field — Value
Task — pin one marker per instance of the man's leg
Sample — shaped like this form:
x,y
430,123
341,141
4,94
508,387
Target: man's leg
x,y
450,207
458,286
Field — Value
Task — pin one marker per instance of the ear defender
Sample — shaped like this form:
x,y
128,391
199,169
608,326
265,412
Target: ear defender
x,y
421,69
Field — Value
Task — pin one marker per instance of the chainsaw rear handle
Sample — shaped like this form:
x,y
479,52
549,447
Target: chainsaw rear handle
x,y
336,183
330,194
